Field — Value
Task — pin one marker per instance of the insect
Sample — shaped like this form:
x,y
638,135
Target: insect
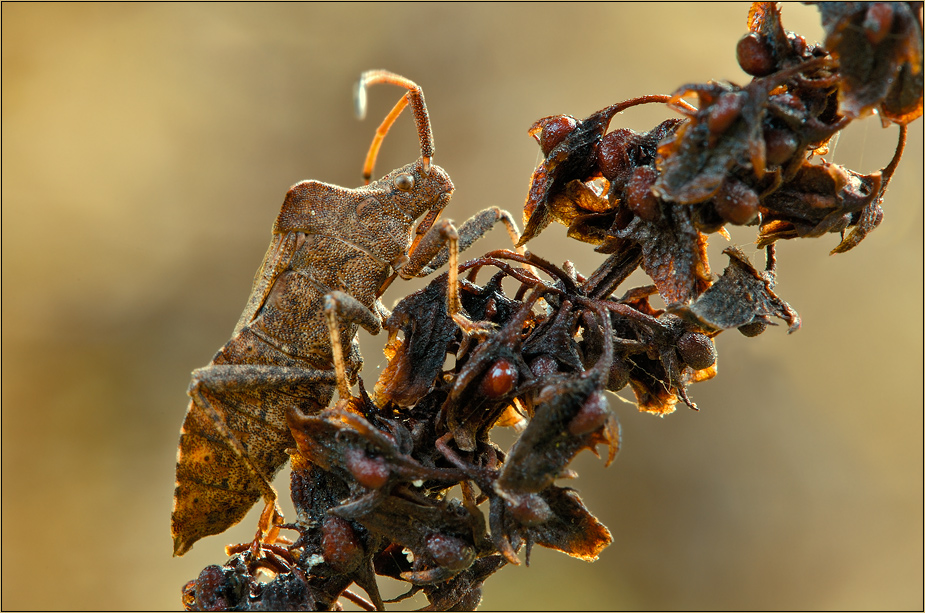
x,y
333,253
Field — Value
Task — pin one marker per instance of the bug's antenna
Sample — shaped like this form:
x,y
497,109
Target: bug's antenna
x,y
415,97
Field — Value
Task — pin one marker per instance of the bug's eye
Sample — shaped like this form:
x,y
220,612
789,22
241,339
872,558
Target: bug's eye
x,y
404,182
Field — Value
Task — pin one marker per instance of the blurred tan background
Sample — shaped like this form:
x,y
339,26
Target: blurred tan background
x,y
146,151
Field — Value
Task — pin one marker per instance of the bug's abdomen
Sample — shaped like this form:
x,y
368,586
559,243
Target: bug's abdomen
x,y
215,487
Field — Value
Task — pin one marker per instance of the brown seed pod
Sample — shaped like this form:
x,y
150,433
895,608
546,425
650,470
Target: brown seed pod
x,y
591,416
780,145
736,202
370,472
754,328
696,350
530,510
340,544
755,55
612,154
555,129
639,196
450,552
500,379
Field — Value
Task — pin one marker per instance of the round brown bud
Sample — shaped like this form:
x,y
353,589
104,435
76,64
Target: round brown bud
x,y
696,350
530,510
613,157
780,145
755,55
878,22
499,380
213,592
754,328
555,129
736,202
340,544
591,416
639,196
450,552
724,112
619,375
543,366
369,472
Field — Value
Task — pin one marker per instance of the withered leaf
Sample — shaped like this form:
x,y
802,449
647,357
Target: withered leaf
x,y
572,529
415,362
879,48
741,296
674,254
553,437
820,198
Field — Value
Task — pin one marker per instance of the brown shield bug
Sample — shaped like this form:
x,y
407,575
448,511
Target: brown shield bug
x,y
333,252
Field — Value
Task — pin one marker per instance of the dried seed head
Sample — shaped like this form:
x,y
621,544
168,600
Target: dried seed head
x,y
754,328
780,145
543,366
530,510
878,21
340,544
555,129
450,552
755,55
213,590
591,416
696,350
612,154
725,111
500,379
369,472
736,202
619,375
639,196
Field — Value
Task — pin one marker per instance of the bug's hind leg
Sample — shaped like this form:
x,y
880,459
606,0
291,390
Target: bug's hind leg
x,y
341,309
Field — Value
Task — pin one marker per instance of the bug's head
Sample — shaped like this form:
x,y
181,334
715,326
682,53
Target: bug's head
x,y
413,191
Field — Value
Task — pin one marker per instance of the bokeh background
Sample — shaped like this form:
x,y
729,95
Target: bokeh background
x,y
146,151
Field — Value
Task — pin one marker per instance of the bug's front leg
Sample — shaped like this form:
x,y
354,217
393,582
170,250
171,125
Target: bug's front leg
x,y
443,242
232,444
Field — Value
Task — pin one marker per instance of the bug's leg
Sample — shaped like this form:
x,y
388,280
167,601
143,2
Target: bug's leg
x,y
443,242
472,230
341,309
442,235
218,477
414,97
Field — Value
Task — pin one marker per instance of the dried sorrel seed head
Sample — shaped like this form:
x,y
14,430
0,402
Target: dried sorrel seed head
x,y
613,157
755,56
530,509
543,366
591,416
619,375
724,112
639,196
780,146
500,379
554,129
736,202
449,551
341,546
753,329
878,21
216,589
370,472
696,350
